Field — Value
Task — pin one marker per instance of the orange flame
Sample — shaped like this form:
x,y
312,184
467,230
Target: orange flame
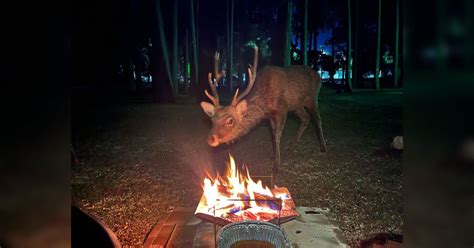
x,y
238,194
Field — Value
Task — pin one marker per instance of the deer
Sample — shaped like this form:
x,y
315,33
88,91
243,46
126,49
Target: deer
x,y
270,95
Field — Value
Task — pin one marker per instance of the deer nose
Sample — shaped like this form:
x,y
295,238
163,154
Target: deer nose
x,y
212,140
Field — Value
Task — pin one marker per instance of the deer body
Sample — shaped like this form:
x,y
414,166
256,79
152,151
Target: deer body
x,y
279,88
277,91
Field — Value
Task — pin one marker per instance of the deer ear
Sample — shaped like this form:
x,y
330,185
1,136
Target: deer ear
x,y
208,108
242,107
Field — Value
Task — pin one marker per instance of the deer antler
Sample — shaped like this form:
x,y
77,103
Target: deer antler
x,y
252,75
213,84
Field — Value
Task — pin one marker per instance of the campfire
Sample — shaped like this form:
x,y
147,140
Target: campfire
x,y
237,197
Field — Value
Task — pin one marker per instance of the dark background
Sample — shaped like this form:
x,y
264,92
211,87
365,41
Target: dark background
x,y
35,159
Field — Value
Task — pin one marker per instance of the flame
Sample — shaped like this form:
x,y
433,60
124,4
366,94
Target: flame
x,y
238,194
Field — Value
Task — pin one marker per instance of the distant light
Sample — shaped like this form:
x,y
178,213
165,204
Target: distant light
x,y
324,74
295,55
338,74
368,74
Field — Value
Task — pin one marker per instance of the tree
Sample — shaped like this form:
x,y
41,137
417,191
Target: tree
x,y
160,69
305,34
164,47
194,43
230,42
377,61
338,32
349,46
319,19
333,39
162,91
355,56
397,37
288,34
175,48
186,59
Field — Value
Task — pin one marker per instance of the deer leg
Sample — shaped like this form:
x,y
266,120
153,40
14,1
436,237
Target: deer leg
x,y
314,110
273,124
305,118
278,125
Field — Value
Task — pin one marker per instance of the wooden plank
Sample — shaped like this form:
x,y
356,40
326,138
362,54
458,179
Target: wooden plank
x,y
204,237
183,236
151,236
163,236
179,217
180,229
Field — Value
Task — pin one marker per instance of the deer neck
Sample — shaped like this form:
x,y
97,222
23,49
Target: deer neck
x,y
254,115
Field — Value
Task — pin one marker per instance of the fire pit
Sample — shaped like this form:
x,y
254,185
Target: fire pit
x,y
237,197
235,211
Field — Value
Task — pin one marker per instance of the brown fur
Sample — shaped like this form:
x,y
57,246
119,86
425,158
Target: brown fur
x,y
277,91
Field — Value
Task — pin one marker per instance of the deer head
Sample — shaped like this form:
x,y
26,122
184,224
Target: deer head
x,y
227,120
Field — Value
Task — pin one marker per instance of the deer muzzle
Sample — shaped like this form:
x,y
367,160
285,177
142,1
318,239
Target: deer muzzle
x,y
212,140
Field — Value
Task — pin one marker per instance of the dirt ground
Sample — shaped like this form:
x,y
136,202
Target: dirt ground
x,y
139,161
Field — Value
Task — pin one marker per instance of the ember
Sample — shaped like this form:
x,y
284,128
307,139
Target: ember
x,y
237,198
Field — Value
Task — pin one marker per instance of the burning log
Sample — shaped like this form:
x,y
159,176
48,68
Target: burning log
x,y
237,198
267,201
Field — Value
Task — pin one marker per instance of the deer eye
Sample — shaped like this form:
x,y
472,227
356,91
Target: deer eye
x,y
230,122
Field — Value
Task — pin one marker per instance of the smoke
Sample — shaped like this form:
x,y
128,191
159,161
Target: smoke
x,y
196,155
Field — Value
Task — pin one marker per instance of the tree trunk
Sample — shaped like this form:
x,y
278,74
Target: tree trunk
x,y
469,40
397,37
231,50
128,75
344,72
315,48
175,48
305,34
349,47
161,91
194,43
377,61
315,37
441,34
138,61
197,24
355,63
187,66
333,48
228,44
288,34
164,46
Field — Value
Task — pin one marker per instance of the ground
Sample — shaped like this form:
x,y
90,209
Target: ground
x,y
139,161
